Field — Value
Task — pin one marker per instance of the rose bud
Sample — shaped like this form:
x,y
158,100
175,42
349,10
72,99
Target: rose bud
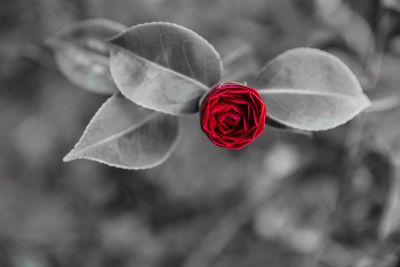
x,y
232,114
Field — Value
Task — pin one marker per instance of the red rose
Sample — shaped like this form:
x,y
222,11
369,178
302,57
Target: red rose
x,y
232,115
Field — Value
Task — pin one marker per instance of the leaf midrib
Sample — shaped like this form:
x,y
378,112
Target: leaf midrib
x,y
157,65
286,91
116,135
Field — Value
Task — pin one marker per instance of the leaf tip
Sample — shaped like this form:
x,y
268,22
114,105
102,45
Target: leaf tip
x,y
70,156
367,103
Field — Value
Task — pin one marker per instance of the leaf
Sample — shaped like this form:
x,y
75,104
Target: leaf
x,y
123,135
164,67
355,64
309,89
82,54
391,4
391,220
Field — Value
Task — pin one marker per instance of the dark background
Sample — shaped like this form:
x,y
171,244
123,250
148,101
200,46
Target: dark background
x,y
285,200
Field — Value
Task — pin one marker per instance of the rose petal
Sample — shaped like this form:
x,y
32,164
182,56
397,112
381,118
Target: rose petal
x,y
232,115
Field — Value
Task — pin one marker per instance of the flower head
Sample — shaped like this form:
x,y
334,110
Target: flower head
x,y
232,114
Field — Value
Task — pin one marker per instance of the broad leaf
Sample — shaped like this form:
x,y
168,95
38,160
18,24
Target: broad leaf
x,y
82,53
124,135
310,89
391,4
164,67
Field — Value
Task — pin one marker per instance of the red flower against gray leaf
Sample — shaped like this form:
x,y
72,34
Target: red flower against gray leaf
x,y
232,115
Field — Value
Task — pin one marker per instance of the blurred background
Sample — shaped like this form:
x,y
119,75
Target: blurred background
x,y
287,199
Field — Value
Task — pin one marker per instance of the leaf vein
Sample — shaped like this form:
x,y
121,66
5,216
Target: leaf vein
x,y
119,134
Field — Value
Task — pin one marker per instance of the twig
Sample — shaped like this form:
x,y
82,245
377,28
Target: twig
x,y
391,218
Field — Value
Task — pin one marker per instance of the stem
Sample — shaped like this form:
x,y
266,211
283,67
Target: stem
x,y
356,130
391,218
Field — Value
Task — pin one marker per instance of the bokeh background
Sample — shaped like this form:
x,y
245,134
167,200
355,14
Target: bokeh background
x,y
287,199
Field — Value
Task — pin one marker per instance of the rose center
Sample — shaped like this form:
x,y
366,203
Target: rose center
x,y
231,120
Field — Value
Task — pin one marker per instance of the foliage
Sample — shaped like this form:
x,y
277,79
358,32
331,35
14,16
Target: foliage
x,y
327,198
168,68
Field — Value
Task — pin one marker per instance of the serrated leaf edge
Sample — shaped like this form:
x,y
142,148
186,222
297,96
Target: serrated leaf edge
x,y
340,122
70,157
177,26
318,51
365,101
157,66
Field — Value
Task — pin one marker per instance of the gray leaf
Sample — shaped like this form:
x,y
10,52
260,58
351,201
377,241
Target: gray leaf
x,y
390,222
82,54
310,89
164,67
124,135
391,4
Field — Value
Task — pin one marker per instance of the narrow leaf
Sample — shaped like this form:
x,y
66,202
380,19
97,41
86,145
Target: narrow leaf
x,y
390,223
309,89
82,54
124,135
164,67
